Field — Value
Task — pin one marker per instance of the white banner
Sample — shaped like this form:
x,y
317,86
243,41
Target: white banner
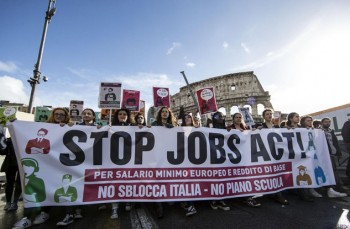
x,y
83,165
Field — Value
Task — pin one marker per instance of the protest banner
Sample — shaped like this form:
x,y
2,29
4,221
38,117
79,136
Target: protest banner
x,y
247,116
110,95
7,114
129,164
143,107
206,100
98,119
161,97
41,114
75,109
131,100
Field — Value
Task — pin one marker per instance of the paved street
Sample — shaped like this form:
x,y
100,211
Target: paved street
x,y
322,213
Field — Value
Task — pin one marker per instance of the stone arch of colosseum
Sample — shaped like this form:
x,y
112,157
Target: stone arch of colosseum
x,y
236,89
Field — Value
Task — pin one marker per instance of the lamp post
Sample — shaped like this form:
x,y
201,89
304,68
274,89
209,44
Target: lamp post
x,y
33,81
190,90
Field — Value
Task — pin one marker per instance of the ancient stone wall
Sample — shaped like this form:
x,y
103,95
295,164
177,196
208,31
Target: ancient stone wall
x,y
236,89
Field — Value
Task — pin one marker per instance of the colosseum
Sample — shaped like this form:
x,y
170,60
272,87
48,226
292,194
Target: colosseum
x,y
231,90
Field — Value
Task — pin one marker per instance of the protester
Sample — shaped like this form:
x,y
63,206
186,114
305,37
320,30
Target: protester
x,y
345,132
121,117
58,116
140,120
269,123
293,120
10,168
166,118
334,150
238,124
189,205
218,121
88,116
316,124
306,122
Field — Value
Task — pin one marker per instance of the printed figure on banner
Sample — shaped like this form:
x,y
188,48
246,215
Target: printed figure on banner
x,y
34,187
319,173
39,145
303,179
66,193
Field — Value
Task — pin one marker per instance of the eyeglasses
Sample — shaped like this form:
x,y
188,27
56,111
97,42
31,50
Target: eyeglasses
x,y
59,115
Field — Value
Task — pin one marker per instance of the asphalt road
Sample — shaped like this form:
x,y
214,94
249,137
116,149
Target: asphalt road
x,y
322,213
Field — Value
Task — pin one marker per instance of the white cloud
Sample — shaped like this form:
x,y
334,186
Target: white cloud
x,y
245,47
12,90
225,45
171,49
9,67
143,80
82,73
190,65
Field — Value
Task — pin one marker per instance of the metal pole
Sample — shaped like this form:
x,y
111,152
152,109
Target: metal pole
x,y
191,92
36,72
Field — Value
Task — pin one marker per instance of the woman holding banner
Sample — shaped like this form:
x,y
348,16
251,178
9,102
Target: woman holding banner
x,y
121,117
269,123
88,116
238,124
58,116
166,118
189,206
140,120
219,123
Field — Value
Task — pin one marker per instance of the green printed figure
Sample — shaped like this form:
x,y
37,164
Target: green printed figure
x,y
311,142
66,193
34,187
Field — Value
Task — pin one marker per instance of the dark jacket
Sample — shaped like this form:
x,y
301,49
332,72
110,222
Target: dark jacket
x,y
10,159
335,144
345,132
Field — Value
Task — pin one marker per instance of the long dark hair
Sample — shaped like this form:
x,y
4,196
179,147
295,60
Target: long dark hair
x,y
243,127
115,121
144,119
184,120
290,117
171,119
303,119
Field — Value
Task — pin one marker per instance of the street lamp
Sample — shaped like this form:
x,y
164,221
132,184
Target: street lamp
x,y
190,90
33,81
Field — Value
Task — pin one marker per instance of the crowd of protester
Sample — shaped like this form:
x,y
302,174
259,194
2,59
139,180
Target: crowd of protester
x,y
166,118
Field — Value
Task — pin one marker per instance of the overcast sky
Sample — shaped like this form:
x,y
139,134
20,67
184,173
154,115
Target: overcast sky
x,y
299,50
